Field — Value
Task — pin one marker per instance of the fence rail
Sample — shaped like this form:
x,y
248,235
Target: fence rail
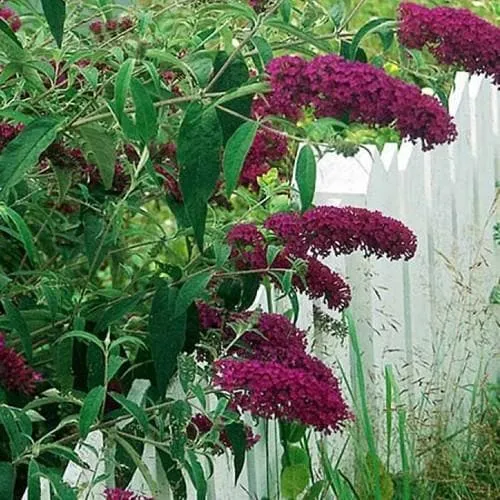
x,y
429,319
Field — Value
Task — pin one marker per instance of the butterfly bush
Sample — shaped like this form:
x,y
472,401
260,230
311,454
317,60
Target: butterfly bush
x,y
15,374
335,87
454,36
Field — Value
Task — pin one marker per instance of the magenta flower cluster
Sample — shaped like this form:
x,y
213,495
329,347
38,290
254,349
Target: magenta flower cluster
x,y
15,374
317,233
120,494
454,36
268,147
269,373
11,18
335,87
201,424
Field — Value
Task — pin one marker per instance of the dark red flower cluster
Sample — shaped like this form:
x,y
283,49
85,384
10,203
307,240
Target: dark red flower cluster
x,y
269,373
201,424
267,147
62,156
120,494
15,374
335,87
8,133
11,18
111,26
343,230
270,389
454,36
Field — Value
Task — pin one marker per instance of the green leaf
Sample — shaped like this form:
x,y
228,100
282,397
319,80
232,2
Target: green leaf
x,y
199,154
146,117
9,43
90,410
197,476
378,25
264,50
232,79
118,311
101,150
18,324
23,232
114,364
55,13
34,489
17,441
66,454
191,290
294,480
286,10
174,475
134,409
337,13
238,439
122,86
236,152
201,64
7,480
93,232
22,154
305,176
85,336
167,333
63,363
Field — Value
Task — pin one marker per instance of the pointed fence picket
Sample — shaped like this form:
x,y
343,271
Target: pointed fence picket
x,y
429,319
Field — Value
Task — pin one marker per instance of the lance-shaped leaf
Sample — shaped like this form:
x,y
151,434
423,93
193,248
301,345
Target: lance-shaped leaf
x,y
22,154
235,154
305,176
199,156
55,13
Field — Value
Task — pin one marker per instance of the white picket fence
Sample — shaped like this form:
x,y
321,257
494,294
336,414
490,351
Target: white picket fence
x,y
428,318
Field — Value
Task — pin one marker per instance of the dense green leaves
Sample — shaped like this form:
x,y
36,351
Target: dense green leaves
x,y
101,149
199,156
305,176
55,13
90,411
167,334
236,152
23,152
9,43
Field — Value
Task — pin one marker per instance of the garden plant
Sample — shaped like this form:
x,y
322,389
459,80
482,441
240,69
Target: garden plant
x,y
158,168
